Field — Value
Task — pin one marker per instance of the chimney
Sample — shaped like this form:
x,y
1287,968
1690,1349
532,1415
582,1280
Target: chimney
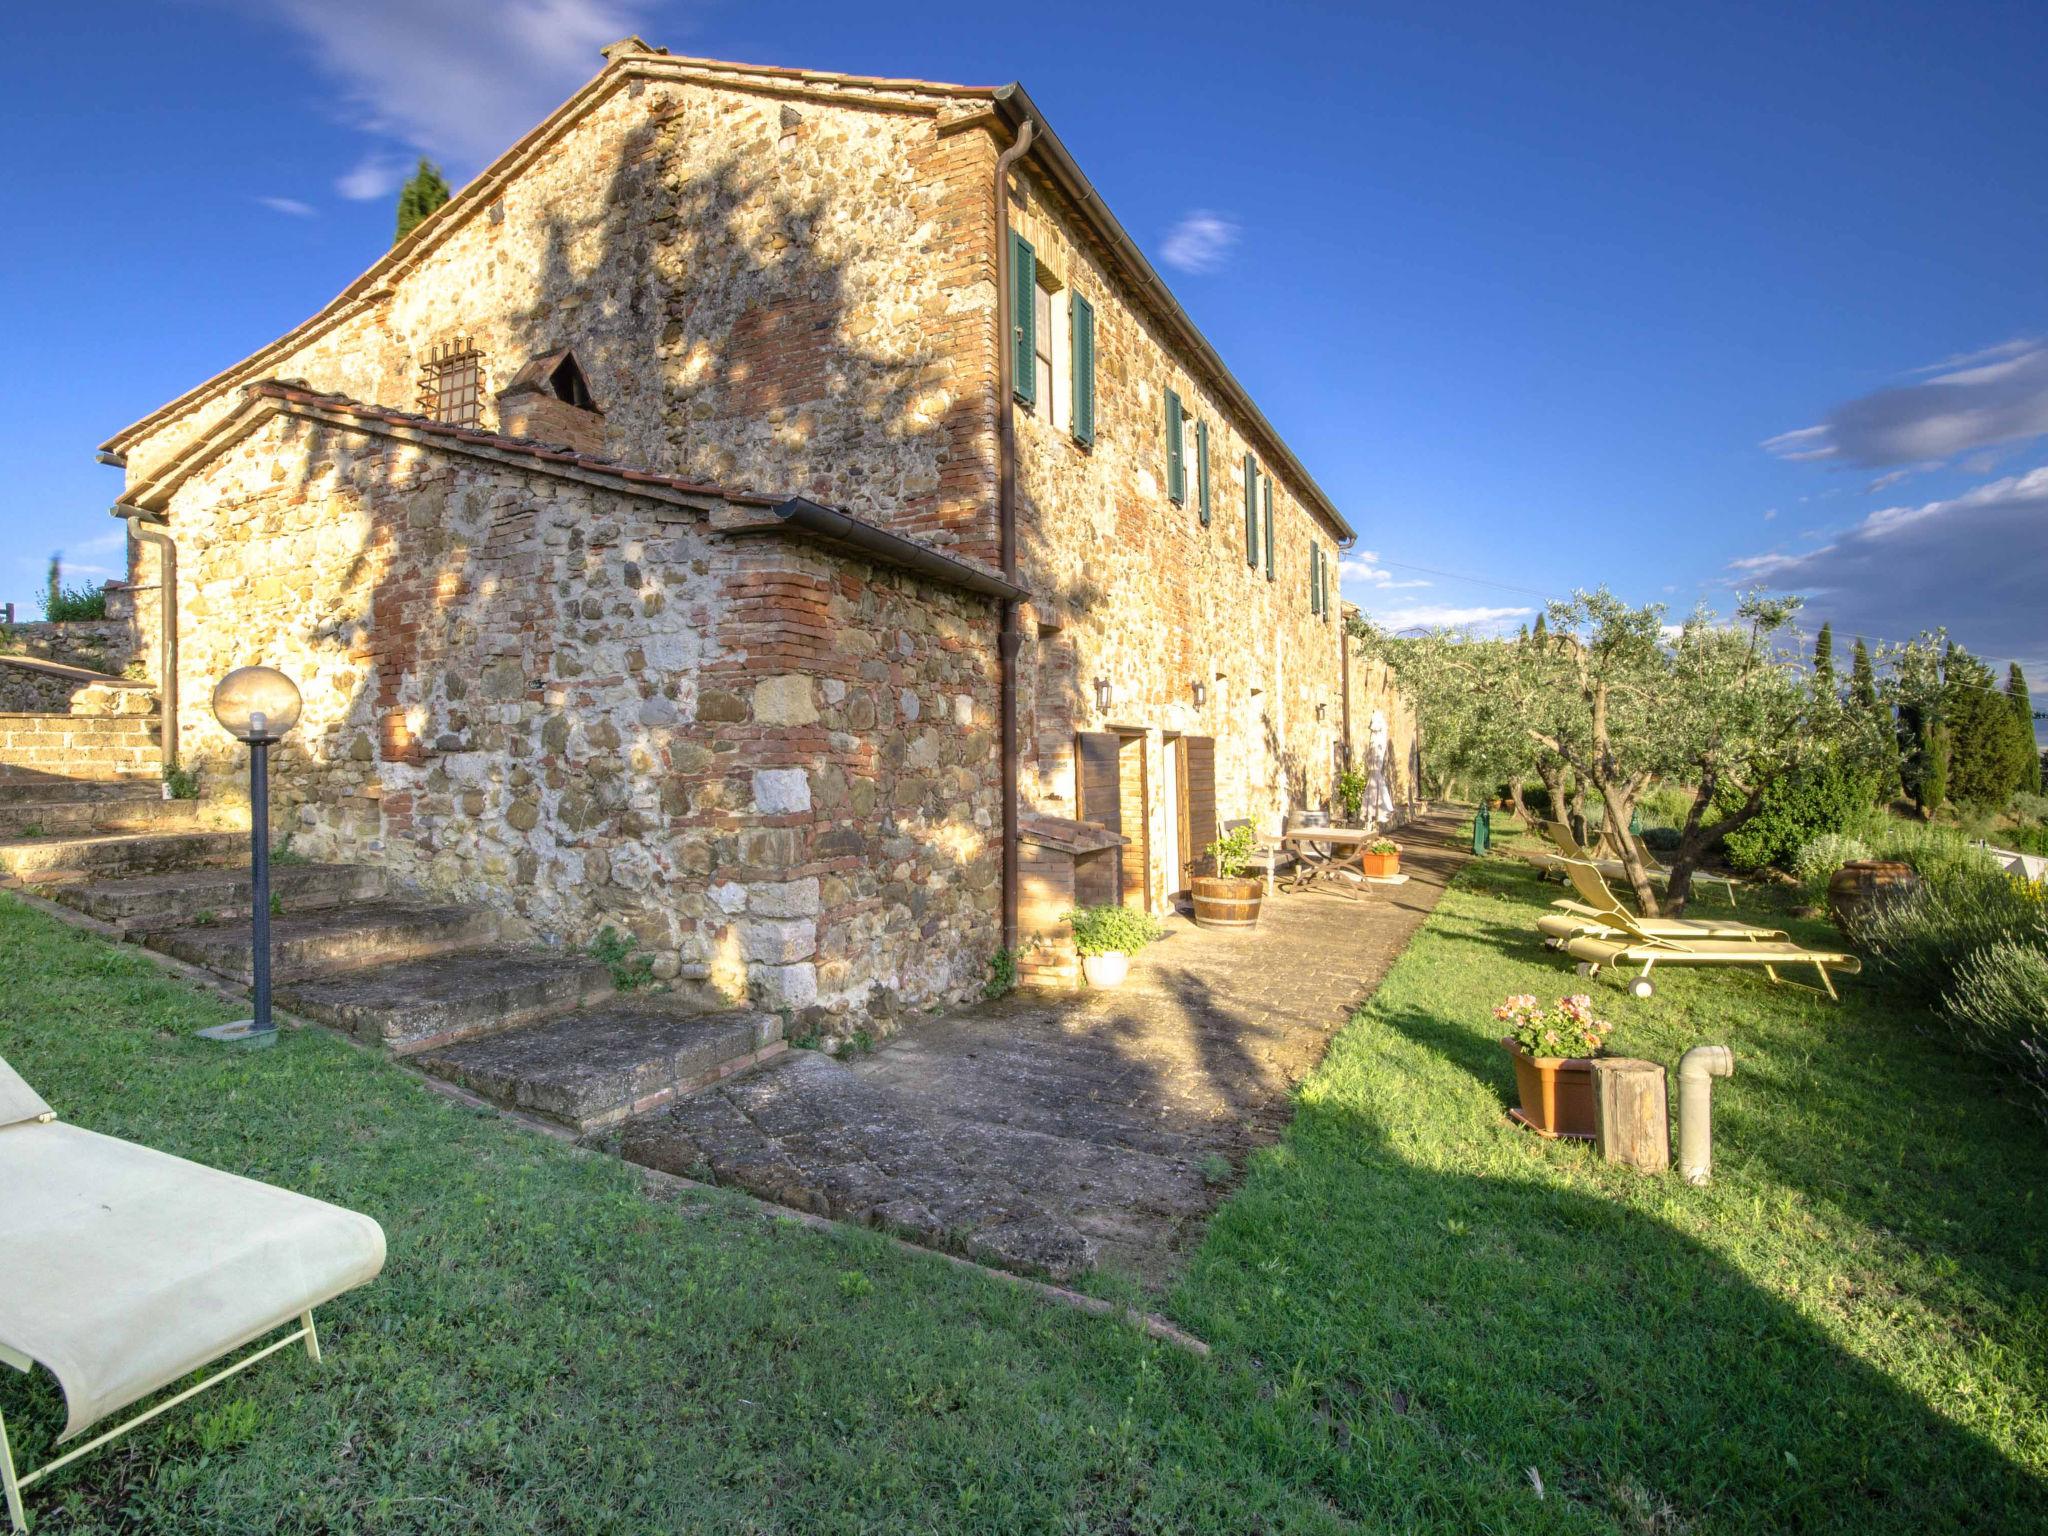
x,y
549,401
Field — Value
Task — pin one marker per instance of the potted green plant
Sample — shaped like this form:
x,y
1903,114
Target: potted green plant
x,y
1381,858
1224,898
1107,937
1553,1049
1350,794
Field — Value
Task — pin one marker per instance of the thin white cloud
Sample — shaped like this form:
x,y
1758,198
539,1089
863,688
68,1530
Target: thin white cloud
x,y
452,79
1770,513
1447,616
376,175
1199,242
288,205
1362,568
1969,403
1976,563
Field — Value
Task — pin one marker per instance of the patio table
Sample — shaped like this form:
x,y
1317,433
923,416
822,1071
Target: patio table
x,y
1328,856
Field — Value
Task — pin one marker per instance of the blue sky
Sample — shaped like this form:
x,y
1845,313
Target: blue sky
x,y
1546,296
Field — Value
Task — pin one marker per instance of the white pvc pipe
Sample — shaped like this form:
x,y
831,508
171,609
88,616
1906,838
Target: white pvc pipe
x,y
1697,1069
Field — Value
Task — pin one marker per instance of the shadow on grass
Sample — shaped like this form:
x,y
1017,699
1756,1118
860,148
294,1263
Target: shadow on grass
x,y
1456,1331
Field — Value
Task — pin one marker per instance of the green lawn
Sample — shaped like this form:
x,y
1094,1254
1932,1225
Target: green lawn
x,y
1413,1304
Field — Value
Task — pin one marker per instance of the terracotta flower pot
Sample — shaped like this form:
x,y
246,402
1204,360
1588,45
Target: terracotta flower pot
x,y
1106,970
1863,886
1556,1091
1379,866
1221,903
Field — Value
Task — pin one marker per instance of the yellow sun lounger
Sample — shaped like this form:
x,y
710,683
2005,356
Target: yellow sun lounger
x,y
1631,944
1596,912
1550,861
124,1269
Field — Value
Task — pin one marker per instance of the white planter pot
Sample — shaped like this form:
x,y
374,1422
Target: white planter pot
x,y
1106,970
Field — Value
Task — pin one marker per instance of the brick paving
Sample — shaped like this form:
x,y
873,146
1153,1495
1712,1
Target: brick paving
x,y
1057,1132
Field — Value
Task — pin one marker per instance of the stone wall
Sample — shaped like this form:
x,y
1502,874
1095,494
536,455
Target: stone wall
x,y
100,645
1134,589
772,763
766,292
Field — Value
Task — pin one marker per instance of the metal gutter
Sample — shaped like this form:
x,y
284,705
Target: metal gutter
x,y
1015,107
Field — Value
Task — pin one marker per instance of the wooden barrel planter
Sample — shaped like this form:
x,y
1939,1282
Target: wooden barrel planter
x,y
1221,903
1862,886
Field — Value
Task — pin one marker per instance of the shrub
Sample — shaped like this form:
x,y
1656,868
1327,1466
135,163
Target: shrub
x,y
1567,1028
66,605
1536,801
1999,1006
1816,863
1666,805
1113,930
1350,793
1962,905
1822,797
1661,839
1002,975
1231,852
2029,808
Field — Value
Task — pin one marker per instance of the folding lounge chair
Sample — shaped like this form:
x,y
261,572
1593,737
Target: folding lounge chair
x,y
1659,870
1595,912
1633,945
1564,846
126,1269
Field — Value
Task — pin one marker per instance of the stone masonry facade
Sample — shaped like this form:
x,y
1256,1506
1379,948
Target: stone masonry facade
x,y
770,763
773,761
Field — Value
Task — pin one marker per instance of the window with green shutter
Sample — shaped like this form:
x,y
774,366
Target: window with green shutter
x,y
1269,527
1024,317
1176,466
1202,469
1083,351
1251,512
1315,579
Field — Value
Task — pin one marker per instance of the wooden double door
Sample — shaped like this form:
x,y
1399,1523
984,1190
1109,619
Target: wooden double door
x,y
1115,783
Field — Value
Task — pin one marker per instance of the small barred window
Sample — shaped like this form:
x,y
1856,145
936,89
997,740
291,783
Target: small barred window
x,y
451,383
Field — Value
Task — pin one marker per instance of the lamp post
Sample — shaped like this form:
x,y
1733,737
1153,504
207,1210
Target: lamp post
x,y
256,705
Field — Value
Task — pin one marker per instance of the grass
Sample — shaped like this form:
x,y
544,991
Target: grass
x,y
1423,1318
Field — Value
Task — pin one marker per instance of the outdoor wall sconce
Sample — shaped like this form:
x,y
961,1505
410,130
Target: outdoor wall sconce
x,y
1102,693
1201,693
256,705
1322,710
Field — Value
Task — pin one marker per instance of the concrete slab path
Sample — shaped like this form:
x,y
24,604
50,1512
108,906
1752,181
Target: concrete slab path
x,y
1057,1132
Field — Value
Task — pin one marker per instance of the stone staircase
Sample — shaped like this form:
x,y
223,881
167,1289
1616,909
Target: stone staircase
x,y
456,987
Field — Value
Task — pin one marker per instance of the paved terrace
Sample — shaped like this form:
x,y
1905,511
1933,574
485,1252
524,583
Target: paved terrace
x,y
1055,1132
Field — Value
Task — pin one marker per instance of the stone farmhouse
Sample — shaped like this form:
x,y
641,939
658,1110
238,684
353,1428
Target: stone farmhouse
x,y
778,513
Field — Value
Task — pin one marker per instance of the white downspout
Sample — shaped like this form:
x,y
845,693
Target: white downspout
x,y
1697,1069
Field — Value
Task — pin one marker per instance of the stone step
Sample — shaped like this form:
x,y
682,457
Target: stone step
x,y
110,855
594,1068
805,1132
207,896
148,813
17,788
415,1005
322,943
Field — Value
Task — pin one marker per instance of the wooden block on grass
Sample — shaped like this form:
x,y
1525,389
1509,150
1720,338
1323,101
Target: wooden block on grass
x,y
1631,1117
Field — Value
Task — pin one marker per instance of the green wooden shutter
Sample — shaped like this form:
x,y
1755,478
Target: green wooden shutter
x,y
1024,318
1084,370
1202,469
1251,512
1269,527
1315,579
1327,584
1176,468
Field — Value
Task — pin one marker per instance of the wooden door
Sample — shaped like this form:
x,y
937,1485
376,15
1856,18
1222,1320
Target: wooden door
x,y
1198,791
1098,782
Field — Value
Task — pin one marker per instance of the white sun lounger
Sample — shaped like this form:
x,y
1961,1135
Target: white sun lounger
x,y
123,1269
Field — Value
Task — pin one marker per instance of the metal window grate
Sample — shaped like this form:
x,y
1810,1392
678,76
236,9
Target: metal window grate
x,y
451,382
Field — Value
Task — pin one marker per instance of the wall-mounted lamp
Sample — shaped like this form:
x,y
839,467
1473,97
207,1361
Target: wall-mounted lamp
x,y
1322,710
1102,693
1201,693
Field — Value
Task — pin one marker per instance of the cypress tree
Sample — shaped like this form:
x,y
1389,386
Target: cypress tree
x,y
1824,658
1932,789
2023,712
419,197
1862,679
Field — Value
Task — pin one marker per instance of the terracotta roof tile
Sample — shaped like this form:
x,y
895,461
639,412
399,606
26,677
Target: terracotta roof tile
x,y
524,447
